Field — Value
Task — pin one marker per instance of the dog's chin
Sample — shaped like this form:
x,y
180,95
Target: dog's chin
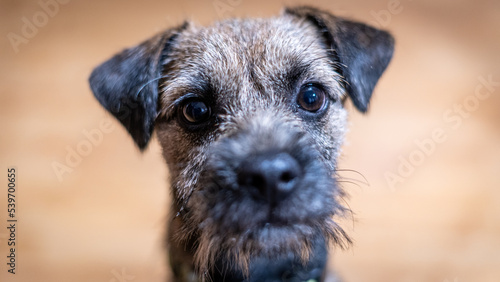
x,y
275,239
272,240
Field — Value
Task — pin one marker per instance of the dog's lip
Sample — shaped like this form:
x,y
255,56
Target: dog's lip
x,y
268,227
273,221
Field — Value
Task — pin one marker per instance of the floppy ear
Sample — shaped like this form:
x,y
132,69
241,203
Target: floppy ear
x,y
362,51
127,84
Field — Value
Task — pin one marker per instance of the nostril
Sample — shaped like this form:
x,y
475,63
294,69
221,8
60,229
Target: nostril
x,y
257,180
286,177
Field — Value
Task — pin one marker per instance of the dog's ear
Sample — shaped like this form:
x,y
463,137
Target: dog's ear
x,y
363,52
127,84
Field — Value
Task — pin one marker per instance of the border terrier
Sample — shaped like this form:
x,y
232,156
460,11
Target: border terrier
x,y
250,116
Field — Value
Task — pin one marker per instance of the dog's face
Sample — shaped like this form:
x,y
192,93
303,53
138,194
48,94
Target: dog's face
x,y
238,94
250,117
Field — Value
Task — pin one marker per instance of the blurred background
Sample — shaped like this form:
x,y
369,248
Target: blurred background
x,y
426,200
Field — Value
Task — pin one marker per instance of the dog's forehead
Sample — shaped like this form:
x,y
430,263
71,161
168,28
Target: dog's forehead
x,y
234,54
238,41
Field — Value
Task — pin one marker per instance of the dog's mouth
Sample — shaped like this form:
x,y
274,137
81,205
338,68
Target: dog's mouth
x,y
230,225
239,228
240,216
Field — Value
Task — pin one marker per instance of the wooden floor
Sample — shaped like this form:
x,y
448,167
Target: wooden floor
x,y
429,148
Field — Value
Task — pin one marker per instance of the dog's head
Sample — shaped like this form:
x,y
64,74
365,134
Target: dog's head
x,y
250,117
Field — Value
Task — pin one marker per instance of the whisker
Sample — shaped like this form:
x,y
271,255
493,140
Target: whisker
x,y
347,210
365,182
146,84
350,182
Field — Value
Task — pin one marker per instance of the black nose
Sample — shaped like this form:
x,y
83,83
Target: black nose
x,y
272,176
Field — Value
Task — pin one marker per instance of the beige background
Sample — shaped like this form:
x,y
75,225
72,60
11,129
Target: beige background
x,y
104,220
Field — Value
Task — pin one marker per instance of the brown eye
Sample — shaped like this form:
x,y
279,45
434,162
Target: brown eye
x,y
311,98
195,111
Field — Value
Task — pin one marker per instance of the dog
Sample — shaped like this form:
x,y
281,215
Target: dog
x,y
250,116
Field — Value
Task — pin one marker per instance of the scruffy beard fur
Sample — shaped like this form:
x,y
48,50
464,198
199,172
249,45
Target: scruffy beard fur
x,y
231,225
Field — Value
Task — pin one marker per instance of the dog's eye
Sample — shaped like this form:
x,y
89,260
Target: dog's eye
x,y
195,111
311,98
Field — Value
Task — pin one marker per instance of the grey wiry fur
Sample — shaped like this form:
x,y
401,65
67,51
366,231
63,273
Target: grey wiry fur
x,y
249,72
